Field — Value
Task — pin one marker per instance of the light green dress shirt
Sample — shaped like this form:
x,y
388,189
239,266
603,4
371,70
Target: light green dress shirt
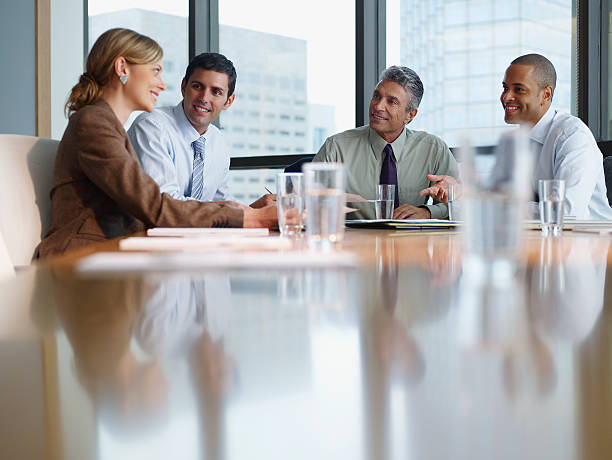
x,y
417,154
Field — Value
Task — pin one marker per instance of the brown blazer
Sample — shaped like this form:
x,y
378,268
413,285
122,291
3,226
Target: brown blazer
x,y
100,191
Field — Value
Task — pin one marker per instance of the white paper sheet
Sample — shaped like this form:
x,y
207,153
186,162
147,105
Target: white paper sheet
x,y
164,261
163,243
166,231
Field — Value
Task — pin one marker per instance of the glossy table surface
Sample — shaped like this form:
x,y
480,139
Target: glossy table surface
x,y
406,355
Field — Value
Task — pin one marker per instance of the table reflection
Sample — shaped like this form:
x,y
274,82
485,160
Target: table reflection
x,y
567,287
403,357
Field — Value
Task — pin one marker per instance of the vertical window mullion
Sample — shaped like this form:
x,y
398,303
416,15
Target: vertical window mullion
x,y
370,37
203,26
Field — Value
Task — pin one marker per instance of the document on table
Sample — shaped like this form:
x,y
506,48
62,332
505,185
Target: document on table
x,y
197,231
574,224
403,224
184,261
163,243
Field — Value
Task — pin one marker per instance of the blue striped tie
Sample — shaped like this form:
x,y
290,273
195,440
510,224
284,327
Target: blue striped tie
x,y
197,177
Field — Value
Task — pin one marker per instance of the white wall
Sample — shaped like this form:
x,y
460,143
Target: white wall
x,y
18,76
67,57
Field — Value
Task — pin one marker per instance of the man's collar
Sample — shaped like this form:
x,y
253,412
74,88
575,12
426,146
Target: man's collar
x,y
190,134
539,132
378,143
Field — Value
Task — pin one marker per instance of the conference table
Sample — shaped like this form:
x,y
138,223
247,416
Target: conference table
x,y
400,354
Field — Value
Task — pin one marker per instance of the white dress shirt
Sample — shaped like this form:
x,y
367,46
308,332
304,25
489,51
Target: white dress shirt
x,y
566,149
162,140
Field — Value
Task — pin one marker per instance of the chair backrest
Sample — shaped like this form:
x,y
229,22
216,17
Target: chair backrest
x,y
26,178
297,166
6,264
607,165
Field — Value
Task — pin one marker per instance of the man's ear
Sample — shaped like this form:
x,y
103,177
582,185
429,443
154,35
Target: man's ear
x,y
547,94
183,85
230,101
410,115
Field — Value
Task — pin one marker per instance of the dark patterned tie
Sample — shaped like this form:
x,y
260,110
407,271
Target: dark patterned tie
x,y
388,172
197,178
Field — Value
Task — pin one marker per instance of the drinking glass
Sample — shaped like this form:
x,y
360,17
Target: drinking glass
x,y
385,198
552,194
325,198
454,206
290,203
494,206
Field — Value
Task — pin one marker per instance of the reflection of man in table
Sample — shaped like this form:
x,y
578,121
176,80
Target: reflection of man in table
x,y
179,147
563,145
385,152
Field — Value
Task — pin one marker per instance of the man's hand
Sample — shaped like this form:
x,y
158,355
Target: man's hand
x,y
266,200
438,191
260,218
405,211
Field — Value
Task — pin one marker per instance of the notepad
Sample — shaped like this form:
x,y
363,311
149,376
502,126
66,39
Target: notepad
x,y
163,243
572,224
105,262
197,231
403,224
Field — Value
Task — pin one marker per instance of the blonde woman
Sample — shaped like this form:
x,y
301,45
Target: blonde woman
x,y
100,190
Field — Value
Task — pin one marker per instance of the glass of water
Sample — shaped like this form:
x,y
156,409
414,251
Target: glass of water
x,y
290,203
552,194
494,206
385,199
454,206
324,187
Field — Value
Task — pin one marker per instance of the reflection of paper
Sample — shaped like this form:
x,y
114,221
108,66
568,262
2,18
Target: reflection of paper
x,y
352,197
196,231
347,210
162,243
164,261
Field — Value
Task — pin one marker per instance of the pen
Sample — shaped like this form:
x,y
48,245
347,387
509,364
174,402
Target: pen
x,y
268,190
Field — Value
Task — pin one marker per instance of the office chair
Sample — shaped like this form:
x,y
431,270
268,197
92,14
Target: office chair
x,y
26,178
297,166
6,265
607,166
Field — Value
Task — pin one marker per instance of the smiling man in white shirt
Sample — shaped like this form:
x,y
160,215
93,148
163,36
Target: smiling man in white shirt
x,y
563,145
179,147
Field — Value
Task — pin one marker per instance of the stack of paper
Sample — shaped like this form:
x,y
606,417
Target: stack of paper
x,y
576,225
197,231
163,243
403,224
183,261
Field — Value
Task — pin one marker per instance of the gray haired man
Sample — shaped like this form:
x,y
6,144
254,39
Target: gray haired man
x,y
386,152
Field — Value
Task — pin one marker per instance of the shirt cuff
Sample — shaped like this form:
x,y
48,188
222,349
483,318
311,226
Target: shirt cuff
x,y
438,211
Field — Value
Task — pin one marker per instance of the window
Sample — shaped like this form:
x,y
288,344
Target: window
x,y
165,22
296,62
461,48
607,134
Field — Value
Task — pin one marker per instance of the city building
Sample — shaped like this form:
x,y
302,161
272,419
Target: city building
x,y
461,48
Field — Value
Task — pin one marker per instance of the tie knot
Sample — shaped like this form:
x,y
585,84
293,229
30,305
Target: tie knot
x,y
388,149
198,145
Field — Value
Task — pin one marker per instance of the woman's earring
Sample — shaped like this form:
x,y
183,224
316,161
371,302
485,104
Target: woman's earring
x,y
123,79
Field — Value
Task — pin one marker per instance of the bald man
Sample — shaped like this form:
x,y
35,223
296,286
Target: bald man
x,y
563,145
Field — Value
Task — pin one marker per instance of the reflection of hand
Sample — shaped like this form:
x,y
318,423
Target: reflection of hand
x,y
406,211
439,190
266,200
214,369
260,218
